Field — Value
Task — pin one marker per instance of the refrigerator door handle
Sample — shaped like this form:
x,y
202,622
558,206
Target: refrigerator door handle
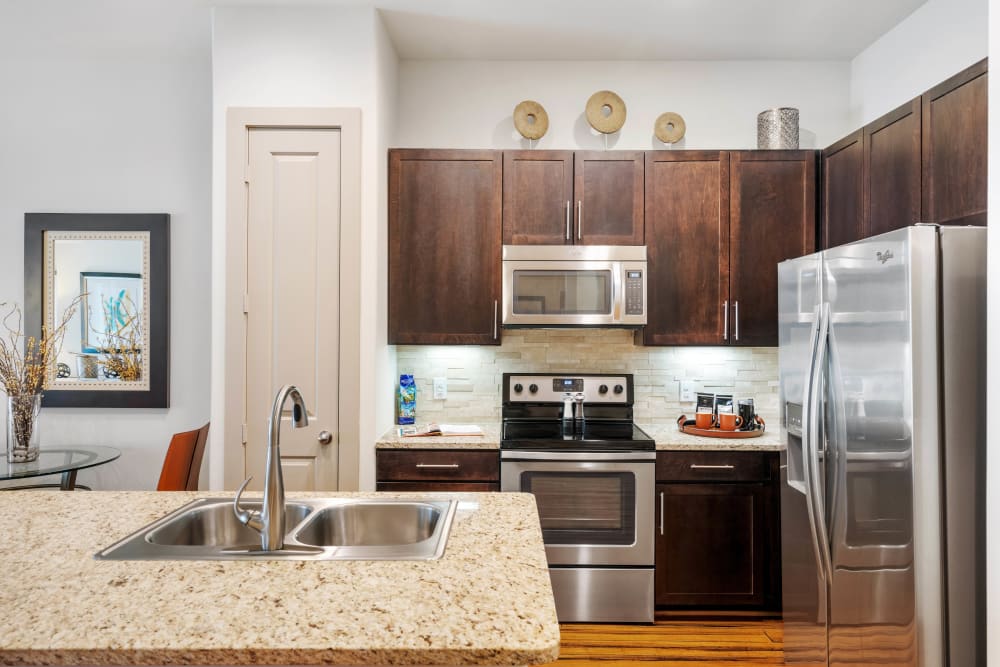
x,y
807,457
812,465
838,458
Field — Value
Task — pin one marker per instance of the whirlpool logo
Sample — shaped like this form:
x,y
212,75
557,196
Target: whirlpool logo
x,y
883,257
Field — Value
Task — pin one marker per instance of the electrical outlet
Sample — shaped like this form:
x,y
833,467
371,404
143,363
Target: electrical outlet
x,y
688,389
441,388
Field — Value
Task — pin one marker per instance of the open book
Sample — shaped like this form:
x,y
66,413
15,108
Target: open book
x,y
439,429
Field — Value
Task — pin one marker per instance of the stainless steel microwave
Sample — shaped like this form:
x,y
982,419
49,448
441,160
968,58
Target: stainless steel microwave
x,y
574,286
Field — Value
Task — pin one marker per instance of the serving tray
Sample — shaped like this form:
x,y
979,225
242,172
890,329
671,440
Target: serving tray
x,y
718,432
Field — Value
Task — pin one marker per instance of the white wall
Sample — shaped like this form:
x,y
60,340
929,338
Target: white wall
x,y
468,104
307,57
106,108
939,39
385,376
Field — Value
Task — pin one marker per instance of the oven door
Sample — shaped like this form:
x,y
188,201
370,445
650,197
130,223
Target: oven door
x,y
594,508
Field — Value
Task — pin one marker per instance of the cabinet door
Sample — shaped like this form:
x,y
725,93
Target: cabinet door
x,y
444,247
772,218
955,149
710,546
892,170
538,197
842,219
608,188
687,241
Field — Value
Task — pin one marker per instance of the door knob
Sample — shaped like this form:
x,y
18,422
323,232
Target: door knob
x,y
325,437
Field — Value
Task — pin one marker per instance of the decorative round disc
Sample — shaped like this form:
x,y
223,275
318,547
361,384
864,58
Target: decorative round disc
x,y
669,127
605,111
531,120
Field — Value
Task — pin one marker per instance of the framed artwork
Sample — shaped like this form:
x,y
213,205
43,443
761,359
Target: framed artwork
x,y
112,303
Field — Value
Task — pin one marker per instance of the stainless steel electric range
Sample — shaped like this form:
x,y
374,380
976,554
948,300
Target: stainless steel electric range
x,y
570,440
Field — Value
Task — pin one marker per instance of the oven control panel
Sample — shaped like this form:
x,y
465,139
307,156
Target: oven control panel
x,y
529,388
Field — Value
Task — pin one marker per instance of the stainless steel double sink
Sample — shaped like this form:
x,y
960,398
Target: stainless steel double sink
x,y
318,529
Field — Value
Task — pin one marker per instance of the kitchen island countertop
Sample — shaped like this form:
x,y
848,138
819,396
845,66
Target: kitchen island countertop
x,y
488,600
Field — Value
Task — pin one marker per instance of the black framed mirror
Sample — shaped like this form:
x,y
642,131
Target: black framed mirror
x,y
115,353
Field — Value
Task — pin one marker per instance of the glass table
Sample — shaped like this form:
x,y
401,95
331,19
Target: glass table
x,y
65,461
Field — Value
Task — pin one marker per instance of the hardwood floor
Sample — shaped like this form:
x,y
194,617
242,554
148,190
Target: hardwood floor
x,y
672,642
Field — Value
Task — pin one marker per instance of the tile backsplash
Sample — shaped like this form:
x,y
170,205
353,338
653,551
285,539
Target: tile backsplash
x,y
474,373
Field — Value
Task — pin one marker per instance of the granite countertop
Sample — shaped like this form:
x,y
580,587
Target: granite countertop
x,y
488,600
668,437
490,439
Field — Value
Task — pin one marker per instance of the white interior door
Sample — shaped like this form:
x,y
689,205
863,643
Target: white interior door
x,y
292,299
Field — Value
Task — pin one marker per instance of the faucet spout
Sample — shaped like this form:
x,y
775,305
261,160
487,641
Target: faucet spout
x,y
270,521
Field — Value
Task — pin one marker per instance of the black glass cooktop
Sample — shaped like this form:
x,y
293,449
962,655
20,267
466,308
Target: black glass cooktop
x,y
590,436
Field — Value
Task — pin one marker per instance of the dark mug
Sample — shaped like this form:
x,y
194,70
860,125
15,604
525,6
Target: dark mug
x,y
745,406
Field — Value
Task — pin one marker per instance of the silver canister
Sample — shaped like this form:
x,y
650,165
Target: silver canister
x,y
778,128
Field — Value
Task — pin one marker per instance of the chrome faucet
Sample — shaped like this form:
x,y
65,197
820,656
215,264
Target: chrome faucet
x,y
270,521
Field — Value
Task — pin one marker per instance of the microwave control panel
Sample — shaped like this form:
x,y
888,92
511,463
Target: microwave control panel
x,y
633,292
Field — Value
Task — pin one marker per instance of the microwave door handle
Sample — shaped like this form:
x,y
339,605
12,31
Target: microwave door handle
x,y
616,292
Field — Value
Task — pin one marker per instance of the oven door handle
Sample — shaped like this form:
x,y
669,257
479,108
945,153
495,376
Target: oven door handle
x,y
562,457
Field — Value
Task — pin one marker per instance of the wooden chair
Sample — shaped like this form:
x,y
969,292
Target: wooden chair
x,y
182,464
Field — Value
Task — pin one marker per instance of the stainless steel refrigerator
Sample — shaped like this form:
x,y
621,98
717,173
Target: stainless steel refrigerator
x,y
882,378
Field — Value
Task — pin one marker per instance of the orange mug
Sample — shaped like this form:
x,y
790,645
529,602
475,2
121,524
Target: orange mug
x,y
703,420
729,421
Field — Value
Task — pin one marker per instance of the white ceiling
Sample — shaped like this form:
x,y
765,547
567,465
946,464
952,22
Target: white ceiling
x,y
638,29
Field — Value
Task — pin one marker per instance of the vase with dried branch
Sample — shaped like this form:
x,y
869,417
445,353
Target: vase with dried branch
x,y
122,334
26,366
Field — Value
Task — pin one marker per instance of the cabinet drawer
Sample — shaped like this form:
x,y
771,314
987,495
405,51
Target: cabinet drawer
x,y
437,486
687,466
440,465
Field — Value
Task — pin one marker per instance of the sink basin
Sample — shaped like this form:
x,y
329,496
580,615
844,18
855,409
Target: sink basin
x,y
216,526
316,529
375,527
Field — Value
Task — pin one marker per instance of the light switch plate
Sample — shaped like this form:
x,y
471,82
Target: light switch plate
x,y
441,388
688,390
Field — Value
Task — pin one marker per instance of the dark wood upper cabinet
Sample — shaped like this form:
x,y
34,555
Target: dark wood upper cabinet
x,y
955,149
843,191
608,192
923,162
444,246
772,218
566,197
687,247
892,167
538,206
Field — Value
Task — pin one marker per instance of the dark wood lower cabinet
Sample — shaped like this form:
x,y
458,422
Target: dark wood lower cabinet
x,y
437,470
718,541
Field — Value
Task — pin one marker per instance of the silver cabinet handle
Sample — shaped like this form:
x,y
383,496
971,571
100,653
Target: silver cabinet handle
x,y
453,466
325,437
495,313
661,512
699,466
736,335
569,220
579,218
725,320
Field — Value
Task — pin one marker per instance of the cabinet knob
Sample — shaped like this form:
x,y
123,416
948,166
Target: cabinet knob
x,y
325,437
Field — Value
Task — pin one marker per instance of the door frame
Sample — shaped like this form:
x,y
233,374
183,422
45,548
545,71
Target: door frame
x,y
239,122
